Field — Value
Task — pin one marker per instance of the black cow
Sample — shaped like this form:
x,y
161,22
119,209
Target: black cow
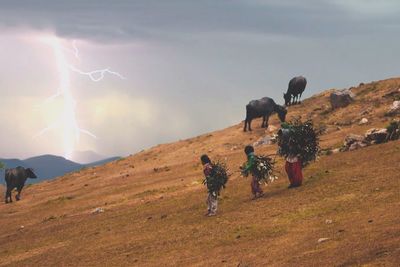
x,y
295,89
15,178
263,107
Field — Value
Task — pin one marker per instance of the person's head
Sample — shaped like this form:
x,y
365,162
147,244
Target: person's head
x,y
205,159
248,149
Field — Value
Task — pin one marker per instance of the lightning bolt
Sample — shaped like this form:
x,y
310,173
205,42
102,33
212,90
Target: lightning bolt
x,y
68,120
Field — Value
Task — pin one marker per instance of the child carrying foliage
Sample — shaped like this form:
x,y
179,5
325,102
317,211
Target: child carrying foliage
x,y
260,167
298,143
216,177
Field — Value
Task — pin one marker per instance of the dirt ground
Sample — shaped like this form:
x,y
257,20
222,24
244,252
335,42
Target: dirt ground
x,y
154,203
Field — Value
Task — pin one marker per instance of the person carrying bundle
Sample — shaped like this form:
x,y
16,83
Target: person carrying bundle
x,y
298,143
260,167
216,176
293,168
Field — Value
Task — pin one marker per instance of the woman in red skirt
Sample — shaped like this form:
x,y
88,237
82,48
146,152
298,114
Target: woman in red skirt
x,y
293,169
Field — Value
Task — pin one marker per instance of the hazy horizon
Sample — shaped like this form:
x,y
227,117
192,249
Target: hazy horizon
x,y
186,67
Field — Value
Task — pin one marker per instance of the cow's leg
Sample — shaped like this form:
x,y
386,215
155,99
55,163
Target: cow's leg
x,y
18,196
266,122
245,125
8,196
263,122
300,98
249,122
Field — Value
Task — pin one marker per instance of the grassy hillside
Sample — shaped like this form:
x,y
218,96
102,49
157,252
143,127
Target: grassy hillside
x,y
154,203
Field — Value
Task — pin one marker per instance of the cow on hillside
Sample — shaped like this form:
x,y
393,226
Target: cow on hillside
x,y
16,178
264,108
295,89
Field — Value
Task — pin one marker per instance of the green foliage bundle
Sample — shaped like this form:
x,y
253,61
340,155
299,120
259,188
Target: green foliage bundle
x,y
262,169
218,178
298,138
393,131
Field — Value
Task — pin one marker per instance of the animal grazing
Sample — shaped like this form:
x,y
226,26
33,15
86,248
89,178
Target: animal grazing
x,y
295,89
263,107
16,178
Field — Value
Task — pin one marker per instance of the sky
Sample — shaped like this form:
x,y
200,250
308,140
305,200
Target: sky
x,y
186,67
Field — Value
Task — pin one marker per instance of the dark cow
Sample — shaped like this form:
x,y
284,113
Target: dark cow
x,y
263,107
15,178
295,89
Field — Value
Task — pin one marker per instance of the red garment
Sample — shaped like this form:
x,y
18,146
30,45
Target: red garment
x,y
294,173
255,186
207,170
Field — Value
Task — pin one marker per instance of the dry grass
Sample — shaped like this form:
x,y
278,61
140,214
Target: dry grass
x,y
155,216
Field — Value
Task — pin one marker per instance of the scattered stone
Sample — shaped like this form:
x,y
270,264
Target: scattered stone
x,y
324,239
363,121
149,218
353,141
357,145
328,221
336,150
376,135
21,227
164,216
341,230
266,140
341,98
238,237
97,210
394,109
370,221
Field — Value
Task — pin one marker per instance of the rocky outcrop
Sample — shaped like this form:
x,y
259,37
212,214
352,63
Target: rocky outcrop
x,y
372,136
340,99
353,141
376,135
266,140
394,109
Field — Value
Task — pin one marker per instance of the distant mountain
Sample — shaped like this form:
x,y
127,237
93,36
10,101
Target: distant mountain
x,y
101,162
49,166
86,157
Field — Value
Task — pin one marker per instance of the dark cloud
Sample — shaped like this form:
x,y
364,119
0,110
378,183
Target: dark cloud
x,y
175,19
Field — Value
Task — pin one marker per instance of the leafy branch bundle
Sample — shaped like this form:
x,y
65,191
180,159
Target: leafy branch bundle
x,y
393,131
218,178
262,169
298,138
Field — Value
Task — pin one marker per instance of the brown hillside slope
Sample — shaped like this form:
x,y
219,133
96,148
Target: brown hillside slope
x,y
154,204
